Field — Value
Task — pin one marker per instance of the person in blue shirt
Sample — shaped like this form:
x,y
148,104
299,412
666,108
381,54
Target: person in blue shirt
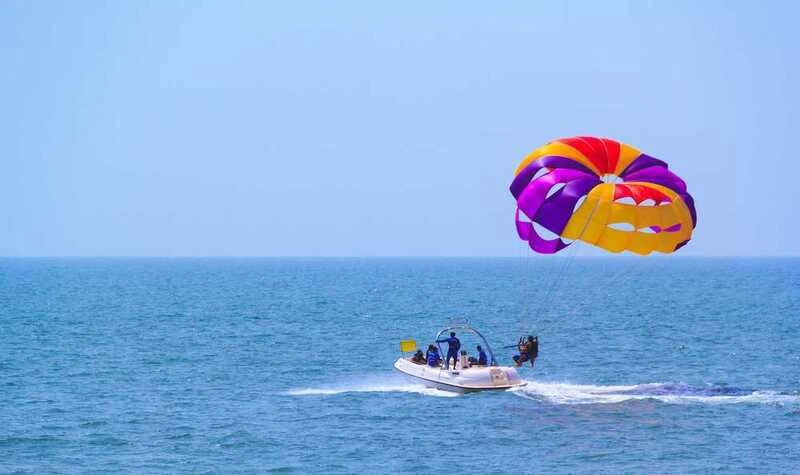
x,y
433,357
453,345
482,360
481,356
430,350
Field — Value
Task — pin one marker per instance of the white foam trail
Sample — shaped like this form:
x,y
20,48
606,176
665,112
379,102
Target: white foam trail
x,y
377,388
565,393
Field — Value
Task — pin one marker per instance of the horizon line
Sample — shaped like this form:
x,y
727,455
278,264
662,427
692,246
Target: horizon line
x,y
409,256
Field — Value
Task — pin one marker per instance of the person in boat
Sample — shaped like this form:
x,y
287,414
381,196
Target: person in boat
x,y
433,357
464,360
481,356
431,349
453,345
482,360
528,350
418,357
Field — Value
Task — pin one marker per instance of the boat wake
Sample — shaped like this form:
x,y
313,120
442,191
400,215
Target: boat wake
x,y
370,387
566,393
671,393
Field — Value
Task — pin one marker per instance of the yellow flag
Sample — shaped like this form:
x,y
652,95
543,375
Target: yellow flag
x,y
407,345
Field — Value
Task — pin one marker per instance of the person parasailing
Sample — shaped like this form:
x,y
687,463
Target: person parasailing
x,y
528,350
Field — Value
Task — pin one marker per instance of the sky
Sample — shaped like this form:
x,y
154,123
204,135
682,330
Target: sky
x,y
378,128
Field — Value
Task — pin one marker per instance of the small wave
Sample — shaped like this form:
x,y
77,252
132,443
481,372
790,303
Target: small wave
x,y
378,388
671,393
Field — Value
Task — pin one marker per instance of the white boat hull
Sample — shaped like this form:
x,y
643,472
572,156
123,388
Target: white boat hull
x,y
472,379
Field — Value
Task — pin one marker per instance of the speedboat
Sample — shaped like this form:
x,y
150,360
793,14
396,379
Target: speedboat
x,y
465,377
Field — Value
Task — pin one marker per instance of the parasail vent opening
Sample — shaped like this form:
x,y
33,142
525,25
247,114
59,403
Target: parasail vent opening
x,y
554,189
522,217
622,227
611,178
540,173
626,200
543,232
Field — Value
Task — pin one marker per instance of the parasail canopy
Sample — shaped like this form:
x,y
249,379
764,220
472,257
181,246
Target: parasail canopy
x,y
604,193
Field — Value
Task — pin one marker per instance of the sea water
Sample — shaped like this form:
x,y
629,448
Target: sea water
x,y
656,365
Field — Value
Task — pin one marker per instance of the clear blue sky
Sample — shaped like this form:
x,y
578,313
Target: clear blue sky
x,y
368,128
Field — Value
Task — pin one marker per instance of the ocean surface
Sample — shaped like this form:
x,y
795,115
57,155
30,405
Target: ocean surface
x,y
654,365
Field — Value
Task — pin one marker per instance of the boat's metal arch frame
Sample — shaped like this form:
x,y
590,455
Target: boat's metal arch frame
x,y
463,327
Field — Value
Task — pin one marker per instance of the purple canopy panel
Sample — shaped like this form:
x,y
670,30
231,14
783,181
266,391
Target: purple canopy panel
x,y
555,212
642,161
537,243
549,161
535,193
524,228
544,246
659,176
687,198
524,177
